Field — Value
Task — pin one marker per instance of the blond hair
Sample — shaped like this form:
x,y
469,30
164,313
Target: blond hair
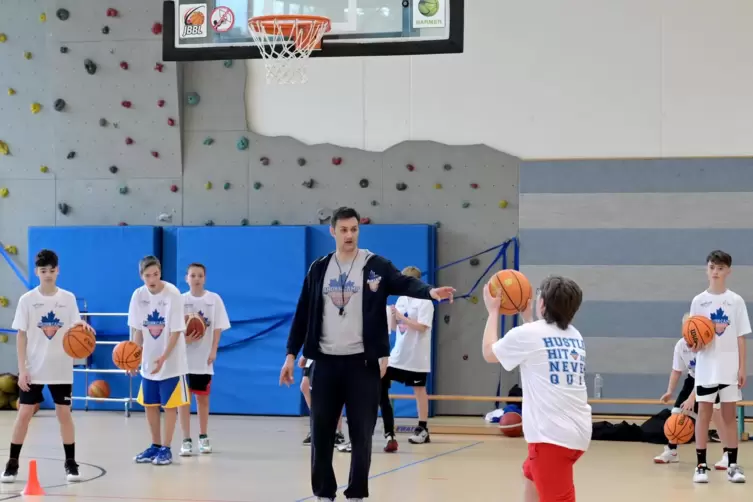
x,y
685,317
412,271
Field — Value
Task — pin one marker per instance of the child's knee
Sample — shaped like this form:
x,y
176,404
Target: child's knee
x,y
25,412
63,413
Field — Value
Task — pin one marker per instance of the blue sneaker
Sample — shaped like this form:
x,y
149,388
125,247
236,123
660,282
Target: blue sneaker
x,y
164,457
147,456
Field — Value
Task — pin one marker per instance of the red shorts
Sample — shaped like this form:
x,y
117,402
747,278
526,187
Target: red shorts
x,y
550,467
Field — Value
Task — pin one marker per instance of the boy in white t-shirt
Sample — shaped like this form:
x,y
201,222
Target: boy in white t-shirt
x,y
155,317
551,355
720,365
201,349
683,360
410,361
43,317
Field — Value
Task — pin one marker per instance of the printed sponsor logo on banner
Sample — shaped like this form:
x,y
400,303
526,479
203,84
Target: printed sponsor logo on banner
x,y
193,20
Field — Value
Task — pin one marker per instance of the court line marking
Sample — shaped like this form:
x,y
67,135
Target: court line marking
x,y
410,464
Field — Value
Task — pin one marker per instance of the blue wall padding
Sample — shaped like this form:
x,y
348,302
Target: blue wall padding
x,y
98,265
170,255
258,272
404,245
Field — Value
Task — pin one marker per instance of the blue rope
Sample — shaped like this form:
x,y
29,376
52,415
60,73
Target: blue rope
x,y
14,267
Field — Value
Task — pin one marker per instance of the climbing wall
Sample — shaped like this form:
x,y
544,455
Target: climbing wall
x,y
105,133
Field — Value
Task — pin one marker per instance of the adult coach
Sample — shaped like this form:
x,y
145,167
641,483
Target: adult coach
x,y
341,323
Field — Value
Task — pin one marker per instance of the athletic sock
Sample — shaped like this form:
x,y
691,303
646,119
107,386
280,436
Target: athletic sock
x,y
423,425
701,455
204,436
155,445
672,446
732,455
15,450
70,451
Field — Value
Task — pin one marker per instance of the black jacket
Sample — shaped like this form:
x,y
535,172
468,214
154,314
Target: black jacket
x,y
380,280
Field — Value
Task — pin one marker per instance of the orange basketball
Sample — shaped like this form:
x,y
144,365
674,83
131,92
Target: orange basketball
x,y
513,288
679,428
194,327
698,331
99,388
511,424
127,355
79,342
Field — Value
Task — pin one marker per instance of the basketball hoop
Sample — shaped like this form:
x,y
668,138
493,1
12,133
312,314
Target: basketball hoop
x,y
286,41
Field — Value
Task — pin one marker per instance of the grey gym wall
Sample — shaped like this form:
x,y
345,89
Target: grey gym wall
x,y
635,235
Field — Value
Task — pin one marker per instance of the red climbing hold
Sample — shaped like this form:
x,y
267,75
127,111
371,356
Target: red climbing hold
x,y
125,104
157,28
158,67
410,167
337,160
123,65
171,122
174,188
155,154
365,220
122,224
474,185
112,12
161,103
129,141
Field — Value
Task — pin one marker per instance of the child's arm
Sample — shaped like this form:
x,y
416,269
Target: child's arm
x,y
674,377
491,335
23,376
215,346
415,325
391,319
742,373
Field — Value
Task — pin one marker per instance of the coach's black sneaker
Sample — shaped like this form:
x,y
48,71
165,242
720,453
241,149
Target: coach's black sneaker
x,y
71,470
10,472
307,440
714,436
339,438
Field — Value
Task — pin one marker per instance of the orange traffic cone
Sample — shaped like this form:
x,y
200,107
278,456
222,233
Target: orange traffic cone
x,y
32,485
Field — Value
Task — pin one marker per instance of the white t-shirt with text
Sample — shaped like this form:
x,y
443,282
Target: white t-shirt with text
x,y
718,362
553,375
211,308
683,359
412,351
157,316
46,319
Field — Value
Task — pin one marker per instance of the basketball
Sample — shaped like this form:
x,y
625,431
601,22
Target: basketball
x,y
679,428
79,342
127,355
99,388
511,424
195,326
428,7
512,288
698,331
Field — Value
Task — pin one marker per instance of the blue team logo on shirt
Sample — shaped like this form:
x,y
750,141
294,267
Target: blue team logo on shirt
x,y
401,325
155,323
720,320
340,290
206,319
691,364
50,324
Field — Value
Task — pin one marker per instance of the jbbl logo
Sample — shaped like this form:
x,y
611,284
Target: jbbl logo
x,y
193,21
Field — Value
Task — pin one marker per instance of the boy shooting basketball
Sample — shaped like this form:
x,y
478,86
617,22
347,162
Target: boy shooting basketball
x,y
155,317
720,365
552,359
43,316
201,352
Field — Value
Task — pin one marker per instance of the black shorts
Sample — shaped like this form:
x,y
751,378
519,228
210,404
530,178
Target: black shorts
x,y
61,394
199,384
405,377
307,371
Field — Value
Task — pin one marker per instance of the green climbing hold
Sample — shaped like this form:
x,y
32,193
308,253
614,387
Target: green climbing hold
x,y
208,185
242,143
193,98
228,63
466,205
123,190
44,169
226,186
244,222
275,222
208,141
257,185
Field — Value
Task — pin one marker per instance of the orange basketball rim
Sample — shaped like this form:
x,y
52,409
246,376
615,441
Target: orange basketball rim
x,y
305,31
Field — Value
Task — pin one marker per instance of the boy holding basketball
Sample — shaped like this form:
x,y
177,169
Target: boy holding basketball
x,y
43,316
202,352
720,364
552,359
155,317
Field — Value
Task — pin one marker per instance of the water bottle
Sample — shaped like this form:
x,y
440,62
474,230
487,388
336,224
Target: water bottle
x,y
598,384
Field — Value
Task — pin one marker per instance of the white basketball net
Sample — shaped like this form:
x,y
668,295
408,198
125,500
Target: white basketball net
x,y
286,43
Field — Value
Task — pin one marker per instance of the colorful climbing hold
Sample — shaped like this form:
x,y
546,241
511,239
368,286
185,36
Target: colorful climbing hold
x,y
105,30
4,148
155,154
244,222
437,186
35,108
103,122
64,208
171,122
438,224
264,161
3,38
474,262
123,190
11,91
71,155
128,141
208,185
62,14
112,12
364,183
208,141
59,105
228,63
193,98
275,222
242,143
474,299
502,204
63,49
337,160
44,169
122,224
401,186
91,66
42,17
447,167
159,67
226,186
374,202
257,185
466,204
157,28
4,302
365,220
173,188
113,169
123,65
125,103
161,103
4,192
27,55
301,161
309,183
209,223
447,319
474,186
410,167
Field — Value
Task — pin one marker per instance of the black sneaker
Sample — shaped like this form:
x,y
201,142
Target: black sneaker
x,y
339,438
307,440
714,436
71,470
10,472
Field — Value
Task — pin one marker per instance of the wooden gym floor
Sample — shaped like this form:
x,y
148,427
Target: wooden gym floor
x,y
262,460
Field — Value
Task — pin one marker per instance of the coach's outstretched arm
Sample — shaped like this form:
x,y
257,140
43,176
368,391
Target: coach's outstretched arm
x,y
405,285
297,334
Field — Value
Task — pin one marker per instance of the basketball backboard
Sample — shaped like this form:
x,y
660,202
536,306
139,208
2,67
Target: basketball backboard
x,y
218,29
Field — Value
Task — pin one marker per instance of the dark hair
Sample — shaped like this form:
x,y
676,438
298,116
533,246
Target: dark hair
x,y
719,258
197,265
344,213
562,298
148,261
46,258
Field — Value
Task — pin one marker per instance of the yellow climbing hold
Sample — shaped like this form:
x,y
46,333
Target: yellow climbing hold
x,y
11,91
208,186
42,17
11,249
438,186
4,192
44,169
4,301
4,148
35,108
3,338
474,299
502,204
27,55
3,38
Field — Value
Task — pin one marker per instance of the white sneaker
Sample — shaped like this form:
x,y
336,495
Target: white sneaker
x,y
700,475
723,464
668,456
186,448
735,474
204,445
420,436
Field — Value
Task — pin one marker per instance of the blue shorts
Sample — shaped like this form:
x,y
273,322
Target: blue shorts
x,y
168,393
